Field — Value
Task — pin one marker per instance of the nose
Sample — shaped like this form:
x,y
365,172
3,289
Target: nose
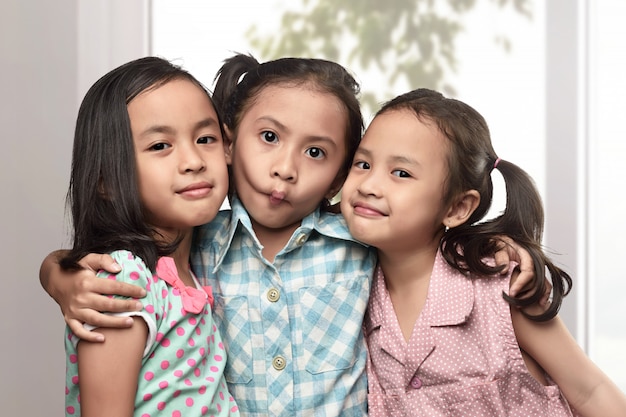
x,y
370,184
284,166
191,159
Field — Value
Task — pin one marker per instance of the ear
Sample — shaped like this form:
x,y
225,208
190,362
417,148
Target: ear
x,y
228,144
462,208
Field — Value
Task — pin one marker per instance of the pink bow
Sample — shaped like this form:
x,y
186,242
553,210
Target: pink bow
x,y
193,299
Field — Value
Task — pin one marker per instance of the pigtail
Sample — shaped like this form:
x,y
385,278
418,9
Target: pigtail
x,y
226,81
471,159
467,246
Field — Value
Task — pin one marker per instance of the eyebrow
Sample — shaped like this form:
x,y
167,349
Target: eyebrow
x,y
394,158
208,122
281,126
405,160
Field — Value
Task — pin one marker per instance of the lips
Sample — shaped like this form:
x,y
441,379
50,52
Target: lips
x,y
197,190
365,209
277,197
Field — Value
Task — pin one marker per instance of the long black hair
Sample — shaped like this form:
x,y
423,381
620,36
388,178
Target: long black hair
x,y
103,194
471,158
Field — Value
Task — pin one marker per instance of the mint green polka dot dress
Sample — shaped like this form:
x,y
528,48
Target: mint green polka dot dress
x,y
182,371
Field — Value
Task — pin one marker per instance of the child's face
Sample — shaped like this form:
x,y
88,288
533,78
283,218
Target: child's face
x,y
289,148
392,198
180,153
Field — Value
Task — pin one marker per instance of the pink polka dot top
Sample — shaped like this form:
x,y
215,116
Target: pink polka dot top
x,y
462,358
182,372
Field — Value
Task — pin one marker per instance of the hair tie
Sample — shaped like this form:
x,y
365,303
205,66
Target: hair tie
x,y
495,164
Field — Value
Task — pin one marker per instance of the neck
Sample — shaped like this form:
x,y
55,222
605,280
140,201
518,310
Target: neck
x,y
273,240
181,258
403,269
407,277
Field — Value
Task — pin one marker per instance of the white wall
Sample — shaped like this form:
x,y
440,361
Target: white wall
x,y
40,88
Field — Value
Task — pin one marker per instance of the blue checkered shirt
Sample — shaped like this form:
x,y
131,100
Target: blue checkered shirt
x,y
292,328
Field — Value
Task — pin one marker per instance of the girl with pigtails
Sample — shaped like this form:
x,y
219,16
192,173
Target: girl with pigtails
x,y
443,336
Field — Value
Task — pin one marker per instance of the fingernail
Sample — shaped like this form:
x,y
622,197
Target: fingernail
x,y
138,306
115,267
99,338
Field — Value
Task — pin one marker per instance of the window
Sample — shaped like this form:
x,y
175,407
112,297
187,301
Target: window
x,y
552,103
607,171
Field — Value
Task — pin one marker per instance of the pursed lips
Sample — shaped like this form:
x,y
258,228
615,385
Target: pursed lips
x,y
277,197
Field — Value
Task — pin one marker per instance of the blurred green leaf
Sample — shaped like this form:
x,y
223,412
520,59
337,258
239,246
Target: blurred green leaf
x,y
410,42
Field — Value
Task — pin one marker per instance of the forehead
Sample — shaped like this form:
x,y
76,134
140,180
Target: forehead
x,y
402,131
302,108
285,91
176,101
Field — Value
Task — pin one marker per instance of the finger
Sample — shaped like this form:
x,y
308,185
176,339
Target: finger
x,y
82,333
98,320
98,261
545,299
502,258
101,303
117,305
108,286
525,260
523,278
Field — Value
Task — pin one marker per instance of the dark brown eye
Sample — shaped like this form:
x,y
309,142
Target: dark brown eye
x,y
269,137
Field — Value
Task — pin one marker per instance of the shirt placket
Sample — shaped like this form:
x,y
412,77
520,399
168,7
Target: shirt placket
x,y
278,358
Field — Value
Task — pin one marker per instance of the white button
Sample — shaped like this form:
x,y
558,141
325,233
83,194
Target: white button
x,y
279,363
300,239
273,295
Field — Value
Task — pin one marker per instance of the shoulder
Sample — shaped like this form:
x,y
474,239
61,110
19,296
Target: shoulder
x,y
134,269
333,226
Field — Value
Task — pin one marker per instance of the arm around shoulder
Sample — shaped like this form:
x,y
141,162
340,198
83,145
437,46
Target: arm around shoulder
x,y
82,296
48,265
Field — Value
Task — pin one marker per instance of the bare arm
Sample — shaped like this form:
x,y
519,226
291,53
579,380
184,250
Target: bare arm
x,y
108,372
81,295
585,386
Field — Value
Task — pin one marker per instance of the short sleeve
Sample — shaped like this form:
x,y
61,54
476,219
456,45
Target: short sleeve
x,y
134,271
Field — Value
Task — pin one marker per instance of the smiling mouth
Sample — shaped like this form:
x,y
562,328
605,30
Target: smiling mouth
x,y
196,190
366,210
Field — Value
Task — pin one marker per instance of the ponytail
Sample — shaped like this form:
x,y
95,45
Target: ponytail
x,y
467,246
226,81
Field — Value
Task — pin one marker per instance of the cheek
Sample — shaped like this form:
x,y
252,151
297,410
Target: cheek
x,y
351,184
144,180
344,205
243,162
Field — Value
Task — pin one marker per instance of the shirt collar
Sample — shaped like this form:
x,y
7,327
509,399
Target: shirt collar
x,y
451,295
450,299
328,224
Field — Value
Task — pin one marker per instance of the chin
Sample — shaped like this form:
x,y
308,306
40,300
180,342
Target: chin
x,y
361,235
